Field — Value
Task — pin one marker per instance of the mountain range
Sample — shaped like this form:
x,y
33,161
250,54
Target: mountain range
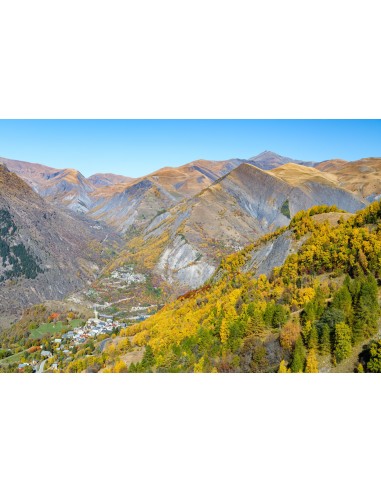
x,y
173,226
46,252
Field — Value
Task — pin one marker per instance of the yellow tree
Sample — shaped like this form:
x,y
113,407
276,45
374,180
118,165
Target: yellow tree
x,y
120,366
289,334
283,367
312,363
224,331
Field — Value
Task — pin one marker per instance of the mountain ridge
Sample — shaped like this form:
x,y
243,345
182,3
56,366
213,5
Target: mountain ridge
x,y
46,252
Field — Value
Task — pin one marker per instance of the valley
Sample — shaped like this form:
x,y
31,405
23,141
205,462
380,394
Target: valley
x,y
186,257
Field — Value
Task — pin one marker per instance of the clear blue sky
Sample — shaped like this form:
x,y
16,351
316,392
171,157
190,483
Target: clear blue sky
x,y
137,147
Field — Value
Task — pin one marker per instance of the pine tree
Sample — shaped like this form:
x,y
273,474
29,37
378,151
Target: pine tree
x,y
343,341
148,359
306,331
298,356
343,301
325,340
280,316
313,339
367,310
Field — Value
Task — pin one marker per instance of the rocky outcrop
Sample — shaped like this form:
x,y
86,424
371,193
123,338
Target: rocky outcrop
x,y
183,265
272,254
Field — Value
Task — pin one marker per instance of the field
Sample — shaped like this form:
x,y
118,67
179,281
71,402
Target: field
x,y
51,328
12,359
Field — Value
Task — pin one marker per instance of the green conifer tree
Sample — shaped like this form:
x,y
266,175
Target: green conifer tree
x,y
298,356
325,339
343,341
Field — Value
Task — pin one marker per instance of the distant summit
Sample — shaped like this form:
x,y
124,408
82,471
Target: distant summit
x,y
268,160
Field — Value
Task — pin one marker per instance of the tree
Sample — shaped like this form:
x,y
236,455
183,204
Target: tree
x,y
343,341
254,326
289,334
298,356
199,366
374,364
120,366
283,367
367,310
224,331
311,362
148,360
280,316
306,331
313,339
325,339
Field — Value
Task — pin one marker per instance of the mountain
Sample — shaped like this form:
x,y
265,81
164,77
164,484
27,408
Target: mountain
x,y
183,246
331,164
46,252
119,200
125,202
269,160
362,177
139,201
303,317
34,174
67,187
107,179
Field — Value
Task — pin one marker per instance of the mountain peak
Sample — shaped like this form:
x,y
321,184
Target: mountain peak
x,y
269,160
265,153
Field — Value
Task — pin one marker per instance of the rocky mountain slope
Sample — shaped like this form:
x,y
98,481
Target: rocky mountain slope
x,y
125,202
45,252
63,187
107,179
138,202
183,246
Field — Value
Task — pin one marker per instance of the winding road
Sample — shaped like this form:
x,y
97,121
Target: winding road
x,y
41,368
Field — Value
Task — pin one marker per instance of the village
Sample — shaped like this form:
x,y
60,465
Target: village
x,y
60,349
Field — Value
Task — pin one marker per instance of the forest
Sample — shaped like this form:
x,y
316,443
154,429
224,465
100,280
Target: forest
x,y
312,314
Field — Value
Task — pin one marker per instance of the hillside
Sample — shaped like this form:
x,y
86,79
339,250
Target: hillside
x,y
362,177
46,253
139,201
185,244
107,179
124,202
317,307
63,187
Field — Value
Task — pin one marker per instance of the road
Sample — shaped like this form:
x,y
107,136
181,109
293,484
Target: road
x,y
41,368
103,343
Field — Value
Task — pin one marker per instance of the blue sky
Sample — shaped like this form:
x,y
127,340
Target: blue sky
x,y
137,147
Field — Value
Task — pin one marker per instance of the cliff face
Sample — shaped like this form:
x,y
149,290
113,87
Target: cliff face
x,y
46,253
